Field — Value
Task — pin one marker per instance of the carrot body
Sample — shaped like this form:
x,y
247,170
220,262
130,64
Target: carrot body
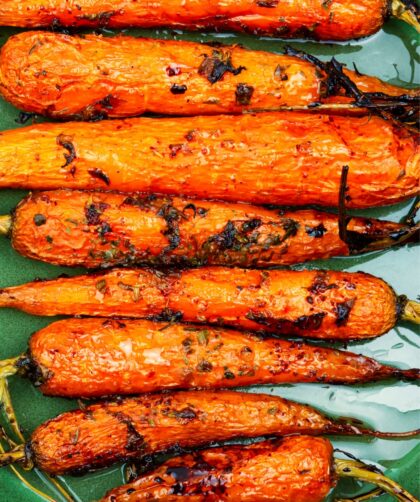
x,y
109,432
96,358
295,469
338,20
100,229
91,77
273,158
317,304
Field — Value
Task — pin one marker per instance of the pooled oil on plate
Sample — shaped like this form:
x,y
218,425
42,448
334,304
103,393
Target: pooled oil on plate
x,y
392,55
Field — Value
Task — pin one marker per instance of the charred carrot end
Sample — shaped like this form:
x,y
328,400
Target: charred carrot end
x,y
407,11
358,470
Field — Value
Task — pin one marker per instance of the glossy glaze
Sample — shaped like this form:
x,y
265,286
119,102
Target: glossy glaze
x,y
96,358
274,158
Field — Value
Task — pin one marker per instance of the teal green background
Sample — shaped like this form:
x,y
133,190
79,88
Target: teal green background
x,y
392,55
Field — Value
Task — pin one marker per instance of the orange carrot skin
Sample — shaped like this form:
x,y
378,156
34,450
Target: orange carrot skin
x,y
109,432
96,358
318,304
66,76
338,20
270,158
99,230
295,469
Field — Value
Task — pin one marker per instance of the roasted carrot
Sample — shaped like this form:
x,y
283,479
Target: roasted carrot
x,y
273,158
90,77
97,358
102,434
99,230
294,469
338,20
315,303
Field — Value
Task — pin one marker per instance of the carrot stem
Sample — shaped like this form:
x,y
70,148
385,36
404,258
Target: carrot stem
x,y
6,401
411,312
9,367
13,456
401,10
361,498
358,470
5,224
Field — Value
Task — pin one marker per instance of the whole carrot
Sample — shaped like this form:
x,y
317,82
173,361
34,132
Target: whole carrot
x,y
115,431
97,229
270,158
318,304
339,20
97,358
93,77
294,469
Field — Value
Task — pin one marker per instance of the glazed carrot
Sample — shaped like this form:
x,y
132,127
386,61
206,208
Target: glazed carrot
x,y
319,304
115,431
97,358
270,158
97,229
294,469
92,77
338,20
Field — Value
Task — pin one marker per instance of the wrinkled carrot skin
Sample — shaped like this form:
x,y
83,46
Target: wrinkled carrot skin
x,y
295,469
109,432
338,20
319,304
96,358
270,158
64,76
99,230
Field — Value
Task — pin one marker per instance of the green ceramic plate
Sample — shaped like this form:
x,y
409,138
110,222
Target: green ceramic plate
x,y
390,55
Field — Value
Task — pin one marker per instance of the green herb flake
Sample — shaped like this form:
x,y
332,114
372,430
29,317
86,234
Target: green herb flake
x,y
203,337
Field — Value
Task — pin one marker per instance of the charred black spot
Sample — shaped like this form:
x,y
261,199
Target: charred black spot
x,y
135,441
67,143
168,315
317,231
176,489
229,375
104,229
215,66
39,220
172,217
172,71
204,366
185,414
100,175
226,238
28,367
342,312
320,285
244,94
94,211
290,226
270,4
251,224
178,89
304,323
